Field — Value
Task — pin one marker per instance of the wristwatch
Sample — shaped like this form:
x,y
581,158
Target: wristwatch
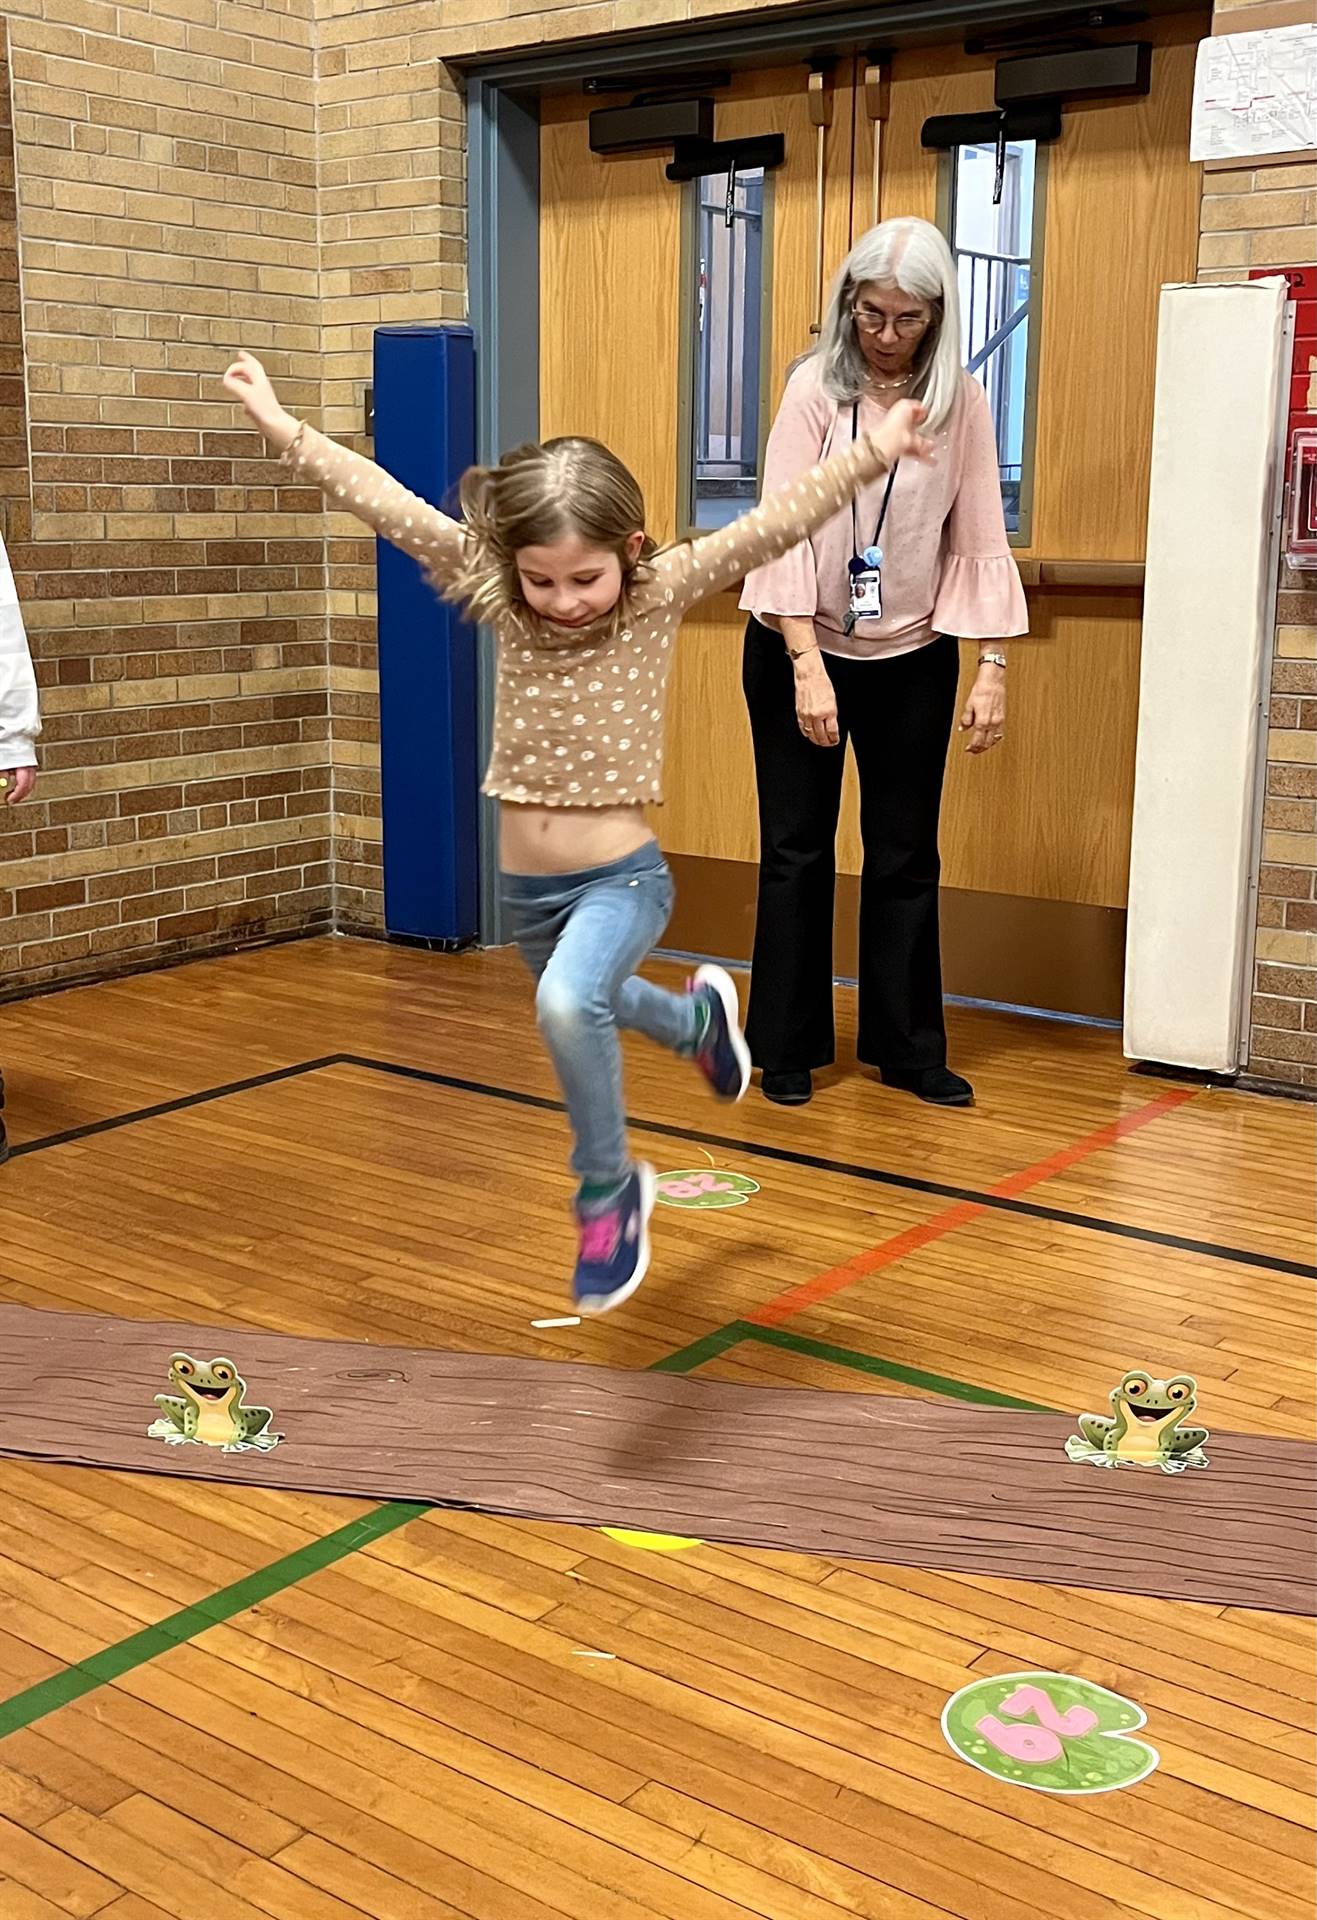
x,y
992,660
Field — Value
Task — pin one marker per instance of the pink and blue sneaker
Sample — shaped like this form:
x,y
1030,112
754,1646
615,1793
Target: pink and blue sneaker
x,y
721,1053
614,1250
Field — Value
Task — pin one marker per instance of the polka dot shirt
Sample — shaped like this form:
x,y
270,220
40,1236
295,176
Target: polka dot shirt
x,y
578,718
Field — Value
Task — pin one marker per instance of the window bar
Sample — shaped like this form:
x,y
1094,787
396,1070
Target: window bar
x,y
820,113
703,264
754,281
877,96
730,239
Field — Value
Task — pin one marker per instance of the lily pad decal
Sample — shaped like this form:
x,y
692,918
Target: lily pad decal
x,y
1049,1731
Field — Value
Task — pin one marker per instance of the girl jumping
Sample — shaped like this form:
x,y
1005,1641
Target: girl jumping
x,y
553,555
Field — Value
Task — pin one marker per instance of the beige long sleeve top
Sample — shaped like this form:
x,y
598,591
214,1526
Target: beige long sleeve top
x,y
578,718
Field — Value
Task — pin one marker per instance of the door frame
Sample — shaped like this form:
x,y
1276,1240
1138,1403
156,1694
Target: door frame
x,y
503,206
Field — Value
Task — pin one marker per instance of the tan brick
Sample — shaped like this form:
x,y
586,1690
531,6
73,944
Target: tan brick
x,y
1277,173
1296,643
1234,211
1266,1044
1227,182
1287,849
1285,1015
1285,247
1218,250
1287,982
1289,883
1287,949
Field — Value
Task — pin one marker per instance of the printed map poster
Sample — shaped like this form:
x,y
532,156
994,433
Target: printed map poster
x,y
1255,93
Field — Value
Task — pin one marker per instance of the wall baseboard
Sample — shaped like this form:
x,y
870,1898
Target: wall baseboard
x,y
1056,955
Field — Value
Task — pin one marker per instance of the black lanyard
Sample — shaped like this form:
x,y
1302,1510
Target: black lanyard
x,y
855,504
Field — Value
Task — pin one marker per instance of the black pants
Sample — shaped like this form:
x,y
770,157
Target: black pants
x,y
897,714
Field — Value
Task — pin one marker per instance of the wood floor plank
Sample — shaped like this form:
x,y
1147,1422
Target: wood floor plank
x,y
64,1770
149,1865
21,1903
30,1859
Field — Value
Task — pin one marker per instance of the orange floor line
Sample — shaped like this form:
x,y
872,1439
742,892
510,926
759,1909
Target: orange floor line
x,y
888,1252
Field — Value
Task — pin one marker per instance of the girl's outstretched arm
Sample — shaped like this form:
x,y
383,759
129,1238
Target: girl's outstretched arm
x,y
350,483
783,519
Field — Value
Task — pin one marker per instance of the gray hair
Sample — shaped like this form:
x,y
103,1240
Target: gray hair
x,y
914,256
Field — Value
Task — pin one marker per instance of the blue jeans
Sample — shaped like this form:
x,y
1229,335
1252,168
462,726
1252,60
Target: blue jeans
x,y
583,935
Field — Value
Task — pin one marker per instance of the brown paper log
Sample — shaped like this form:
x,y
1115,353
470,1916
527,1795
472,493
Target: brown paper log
x,y
859,1476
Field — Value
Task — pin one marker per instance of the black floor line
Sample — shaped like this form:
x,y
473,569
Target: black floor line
x,y
879,1176
180,1105
786,1156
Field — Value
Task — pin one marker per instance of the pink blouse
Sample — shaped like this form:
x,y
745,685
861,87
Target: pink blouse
x,y
947,566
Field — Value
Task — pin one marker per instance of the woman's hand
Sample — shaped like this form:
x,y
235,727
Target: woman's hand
x,y
248,383
984,718
899,437
816,701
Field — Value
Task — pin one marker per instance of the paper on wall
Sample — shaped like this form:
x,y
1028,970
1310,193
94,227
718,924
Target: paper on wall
x,y
1255,93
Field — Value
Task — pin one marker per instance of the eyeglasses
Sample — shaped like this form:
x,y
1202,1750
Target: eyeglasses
x,y
908,326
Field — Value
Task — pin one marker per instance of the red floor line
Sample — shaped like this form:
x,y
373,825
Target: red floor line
x,y
887,1252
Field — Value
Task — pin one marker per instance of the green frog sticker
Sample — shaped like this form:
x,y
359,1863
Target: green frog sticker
x,y
1145,1427
208,1409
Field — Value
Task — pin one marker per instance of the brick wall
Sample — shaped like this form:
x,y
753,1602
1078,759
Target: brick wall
x,y
1264,216
172,581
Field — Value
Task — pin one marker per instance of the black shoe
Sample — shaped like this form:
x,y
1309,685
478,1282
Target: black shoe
x,y
937,1085
789,1089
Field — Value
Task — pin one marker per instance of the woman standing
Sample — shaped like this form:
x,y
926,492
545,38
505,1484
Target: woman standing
x,y
853,636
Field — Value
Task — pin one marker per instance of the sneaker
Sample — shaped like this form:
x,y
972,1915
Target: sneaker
x,y
722,1055
614,1252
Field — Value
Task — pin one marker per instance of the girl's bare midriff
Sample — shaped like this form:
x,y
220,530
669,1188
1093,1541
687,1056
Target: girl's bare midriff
x,y
568,839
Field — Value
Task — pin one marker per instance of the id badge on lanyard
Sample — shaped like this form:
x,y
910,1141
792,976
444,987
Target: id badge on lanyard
x,y
866,563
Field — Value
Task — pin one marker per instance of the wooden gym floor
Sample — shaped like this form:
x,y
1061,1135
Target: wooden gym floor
x,y
223,1702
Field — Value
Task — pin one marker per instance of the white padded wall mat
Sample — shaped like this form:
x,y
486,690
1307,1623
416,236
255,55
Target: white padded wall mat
x,y
1206,614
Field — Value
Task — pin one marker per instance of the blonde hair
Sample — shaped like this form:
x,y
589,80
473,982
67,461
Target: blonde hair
x,y
534,496
914,256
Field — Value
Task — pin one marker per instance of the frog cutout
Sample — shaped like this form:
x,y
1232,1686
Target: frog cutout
x,y
1144,1428
208,1409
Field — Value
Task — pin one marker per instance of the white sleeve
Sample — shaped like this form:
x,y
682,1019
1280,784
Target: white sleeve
x,y
20,722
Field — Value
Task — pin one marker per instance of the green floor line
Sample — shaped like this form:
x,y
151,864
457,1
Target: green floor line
x,y
884,1369
701,1351
113,1662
